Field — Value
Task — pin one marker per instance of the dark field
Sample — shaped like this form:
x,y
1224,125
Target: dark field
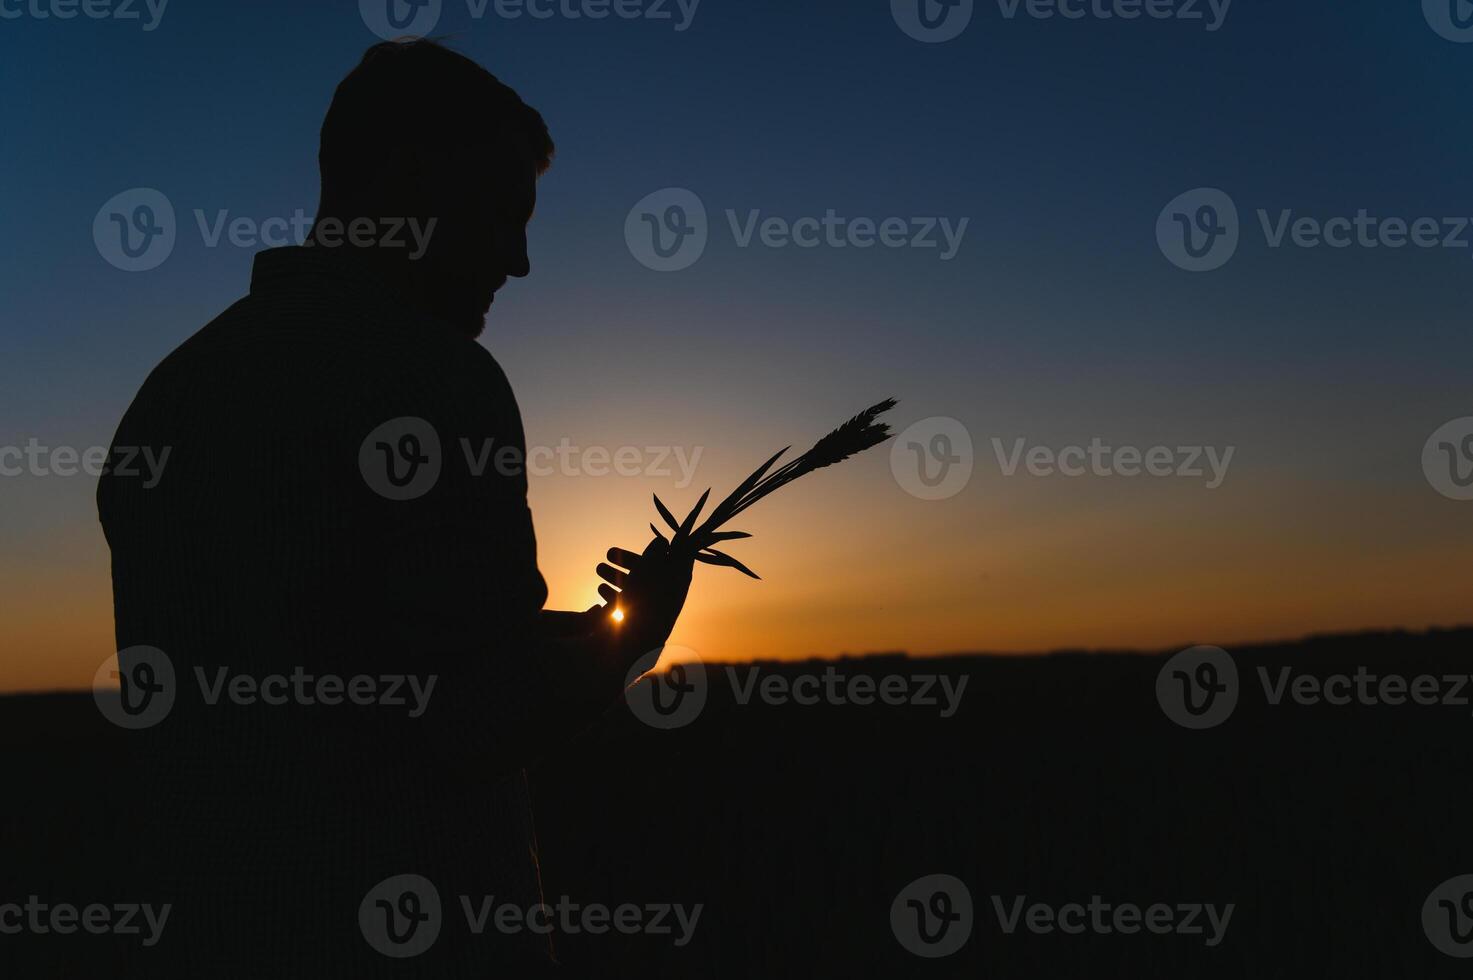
x,y
1060,778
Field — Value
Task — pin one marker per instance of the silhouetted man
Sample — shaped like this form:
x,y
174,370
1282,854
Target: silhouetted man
x,y
339,566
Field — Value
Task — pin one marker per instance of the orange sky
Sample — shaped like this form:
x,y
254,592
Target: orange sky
x,y
851,563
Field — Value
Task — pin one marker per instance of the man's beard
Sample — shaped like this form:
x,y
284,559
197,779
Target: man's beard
x,y
466,321
460,303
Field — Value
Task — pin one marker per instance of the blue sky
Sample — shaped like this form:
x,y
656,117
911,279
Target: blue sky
x,y
1058,140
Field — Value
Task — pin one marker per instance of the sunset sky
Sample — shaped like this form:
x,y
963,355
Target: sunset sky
x,y
1058,321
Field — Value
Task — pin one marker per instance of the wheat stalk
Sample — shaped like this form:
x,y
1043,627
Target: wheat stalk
x,y
854,436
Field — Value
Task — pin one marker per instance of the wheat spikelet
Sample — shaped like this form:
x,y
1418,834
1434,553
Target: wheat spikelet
x,y
861,432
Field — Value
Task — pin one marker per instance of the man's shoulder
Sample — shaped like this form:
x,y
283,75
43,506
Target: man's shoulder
x,y
330,344
250,378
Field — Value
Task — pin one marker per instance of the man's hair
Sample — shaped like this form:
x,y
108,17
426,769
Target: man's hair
x,y
420,90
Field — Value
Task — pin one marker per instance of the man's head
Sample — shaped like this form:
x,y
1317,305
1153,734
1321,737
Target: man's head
x,y
419,133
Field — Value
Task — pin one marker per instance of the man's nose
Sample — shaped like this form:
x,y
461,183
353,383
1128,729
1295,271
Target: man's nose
x,y
519,267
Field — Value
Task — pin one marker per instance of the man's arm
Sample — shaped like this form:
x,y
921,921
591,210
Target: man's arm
x,y
462,582
558,623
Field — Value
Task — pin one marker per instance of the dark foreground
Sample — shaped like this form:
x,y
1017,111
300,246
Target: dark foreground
x,y
1058,779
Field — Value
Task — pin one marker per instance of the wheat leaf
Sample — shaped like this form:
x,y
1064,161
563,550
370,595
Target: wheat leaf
x,y
713,557
751,481
690,520
725,509
665,513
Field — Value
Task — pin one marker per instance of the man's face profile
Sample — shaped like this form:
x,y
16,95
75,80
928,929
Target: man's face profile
x,y
481,200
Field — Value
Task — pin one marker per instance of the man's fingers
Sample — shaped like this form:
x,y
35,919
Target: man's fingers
x,y
612,575
608,592
624,559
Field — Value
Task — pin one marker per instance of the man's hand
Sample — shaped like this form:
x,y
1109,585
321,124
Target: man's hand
x,y
649,591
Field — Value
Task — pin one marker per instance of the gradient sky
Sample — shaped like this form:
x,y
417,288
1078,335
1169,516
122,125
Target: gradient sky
x,y
1058,321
